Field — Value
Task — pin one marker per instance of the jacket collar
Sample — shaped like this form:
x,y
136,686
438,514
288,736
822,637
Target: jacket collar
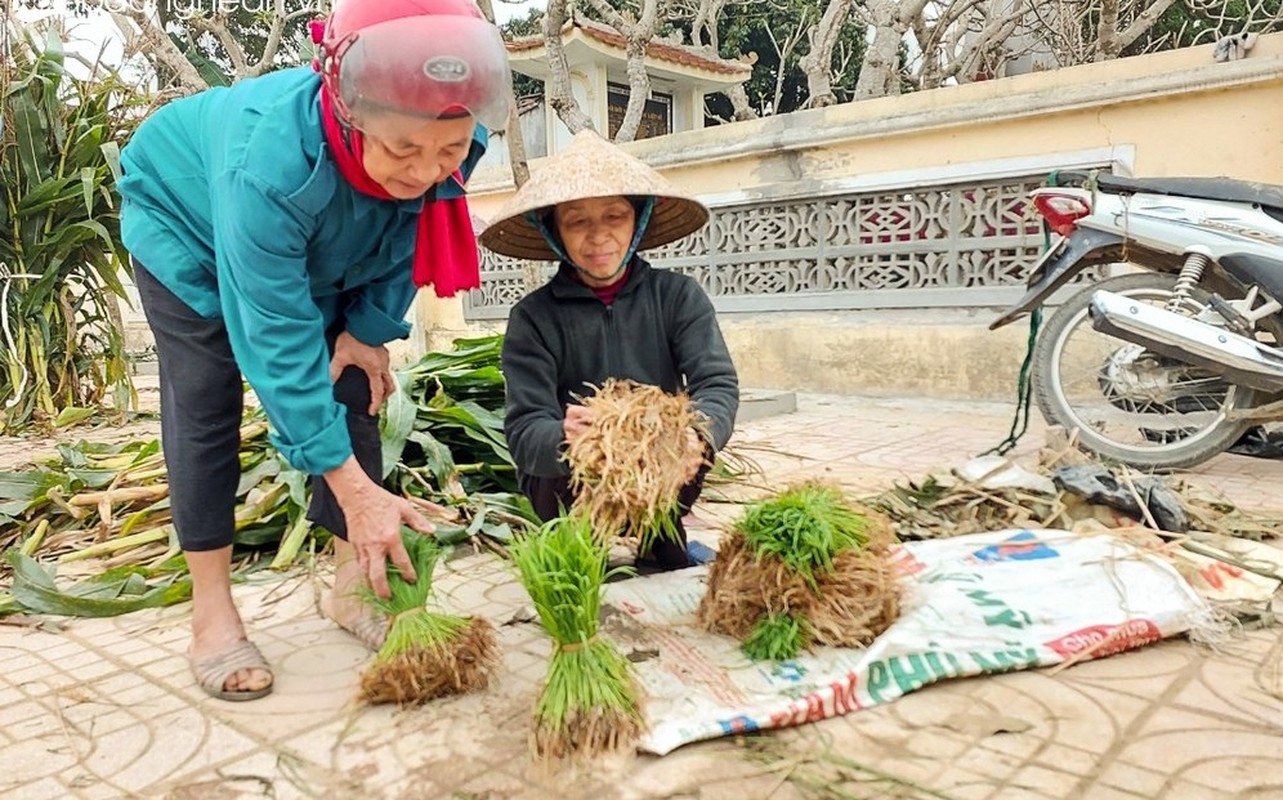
x,y
564,285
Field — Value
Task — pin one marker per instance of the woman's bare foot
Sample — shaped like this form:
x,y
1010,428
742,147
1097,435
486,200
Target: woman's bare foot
x,y
345,604
216,624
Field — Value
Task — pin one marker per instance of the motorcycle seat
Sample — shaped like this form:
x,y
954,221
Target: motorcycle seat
x,y
1226,189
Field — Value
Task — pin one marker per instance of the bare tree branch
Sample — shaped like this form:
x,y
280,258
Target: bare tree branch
x,y
273,44
1143,22
637,36
784,51
143,35
890,20
225,38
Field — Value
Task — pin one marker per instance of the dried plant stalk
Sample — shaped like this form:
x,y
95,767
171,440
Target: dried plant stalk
x,y
629,467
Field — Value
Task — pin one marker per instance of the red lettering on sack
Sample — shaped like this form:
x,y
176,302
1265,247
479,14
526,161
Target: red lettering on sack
x,y
817,706
845,698
1105,640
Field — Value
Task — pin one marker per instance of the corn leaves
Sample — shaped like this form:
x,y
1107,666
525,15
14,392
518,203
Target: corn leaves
x,y
97,509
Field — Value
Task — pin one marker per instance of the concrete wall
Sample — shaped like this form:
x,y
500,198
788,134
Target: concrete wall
x,y
1167,114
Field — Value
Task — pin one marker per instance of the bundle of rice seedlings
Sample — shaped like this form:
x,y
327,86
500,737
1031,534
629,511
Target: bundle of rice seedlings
x,y
590,703
629,467
804,567
426,654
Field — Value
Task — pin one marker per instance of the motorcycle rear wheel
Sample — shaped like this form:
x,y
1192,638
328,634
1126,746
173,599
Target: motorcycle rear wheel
x,y
1128,404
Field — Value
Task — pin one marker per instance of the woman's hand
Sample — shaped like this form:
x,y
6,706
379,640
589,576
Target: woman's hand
x,y
373,361
374,517
578,420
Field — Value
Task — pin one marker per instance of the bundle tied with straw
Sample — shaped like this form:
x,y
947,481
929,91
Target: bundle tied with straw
x,y
629,467
590,703
804,567
426,654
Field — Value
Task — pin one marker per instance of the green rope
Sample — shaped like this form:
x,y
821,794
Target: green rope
x,y
1024,390
1024,387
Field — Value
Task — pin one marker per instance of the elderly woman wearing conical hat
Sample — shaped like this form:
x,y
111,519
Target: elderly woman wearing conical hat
x,y
607,313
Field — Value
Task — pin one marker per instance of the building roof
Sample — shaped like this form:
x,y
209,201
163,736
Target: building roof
x,y
659,50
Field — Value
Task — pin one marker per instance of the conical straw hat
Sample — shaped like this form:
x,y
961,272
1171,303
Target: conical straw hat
x,y
590,167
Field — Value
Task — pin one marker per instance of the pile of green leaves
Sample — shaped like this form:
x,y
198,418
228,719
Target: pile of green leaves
x,y
102,507
449,407
589,703
806,527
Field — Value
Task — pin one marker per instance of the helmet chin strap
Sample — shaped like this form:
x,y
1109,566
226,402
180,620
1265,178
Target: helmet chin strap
x,y
554,241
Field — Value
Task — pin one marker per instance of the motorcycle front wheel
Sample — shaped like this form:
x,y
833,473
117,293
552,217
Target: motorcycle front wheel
x,y
1129,404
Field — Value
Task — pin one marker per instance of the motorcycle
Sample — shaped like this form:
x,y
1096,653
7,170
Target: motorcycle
x,y
1170,359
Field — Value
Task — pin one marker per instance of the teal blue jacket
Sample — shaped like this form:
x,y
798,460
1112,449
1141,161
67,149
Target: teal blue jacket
x,y
232,200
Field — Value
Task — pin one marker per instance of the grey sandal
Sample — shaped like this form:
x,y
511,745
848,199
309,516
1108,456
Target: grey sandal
x,y
212,673
369,630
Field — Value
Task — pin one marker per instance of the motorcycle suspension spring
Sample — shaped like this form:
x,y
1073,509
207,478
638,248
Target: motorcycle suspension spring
x,y
1191,273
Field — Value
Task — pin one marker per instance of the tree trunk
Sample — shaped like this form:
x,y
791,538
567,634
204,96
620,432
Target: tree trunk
x,y
739,102
558,90
638,36
638,91
880,73
1107,42
882,56
818,63
515,139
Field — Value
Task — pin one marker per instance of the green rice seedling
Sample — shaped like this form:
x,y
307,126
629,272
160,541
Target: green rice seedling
x,y
589,703
777,636
805,527
426,654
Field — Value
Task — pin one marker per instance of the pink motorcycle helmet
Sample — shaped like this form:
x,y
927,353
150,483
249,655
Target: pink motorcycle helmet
x,y
427,58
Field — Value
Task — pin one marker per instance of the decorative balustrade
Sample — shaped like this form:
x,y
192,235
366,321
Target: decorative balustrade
x,y
951,245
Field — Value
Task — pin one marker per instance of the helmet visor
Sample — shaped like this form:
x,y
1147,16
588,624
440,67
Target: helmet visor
x,y
427,66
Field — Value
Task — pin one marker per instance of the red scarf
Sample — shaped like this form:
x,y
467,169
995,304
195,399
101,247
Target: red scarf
x,y
445,249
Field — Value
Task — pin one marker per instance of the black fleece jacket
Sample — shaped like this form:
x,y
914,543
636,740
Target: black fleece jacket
x,y
660,330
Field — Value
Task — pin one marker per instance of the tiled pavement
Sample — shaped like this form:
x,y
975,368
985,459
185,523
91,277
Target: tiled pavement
x,y
106,708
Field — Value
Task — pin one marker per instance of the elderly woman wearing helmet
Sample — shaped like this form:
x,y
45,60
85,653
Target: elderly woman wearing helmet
x,y
605,314
278,230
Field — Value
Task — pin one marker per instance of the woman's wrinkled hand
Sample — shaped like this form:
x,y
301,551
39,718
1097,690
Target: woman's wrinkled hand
x,y
374,521
578,420
374,361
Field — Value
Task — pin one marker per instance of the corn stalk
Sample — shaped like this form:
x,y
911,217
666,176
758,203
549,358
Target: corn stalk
x,y
60,253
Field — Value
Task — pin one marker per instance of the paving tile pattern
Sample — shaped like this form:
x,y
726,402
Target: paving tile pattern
x,y
107,708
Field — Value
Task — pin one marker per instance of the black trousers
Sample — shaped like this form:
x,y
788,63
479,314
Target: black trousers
x,y
201,404
550,496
